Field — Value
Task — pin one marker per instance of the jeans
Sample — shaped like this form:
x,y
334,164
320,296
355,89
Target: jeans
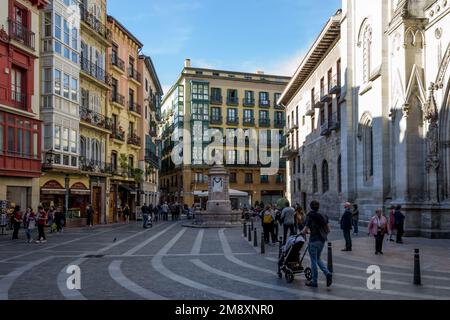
x,y
315,251
145,220
28,232
355,226
285,231
348,240
379,242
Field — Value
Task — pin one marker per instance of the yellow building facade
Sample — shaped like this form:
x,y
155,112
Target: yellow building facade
x,y
125,112
230,102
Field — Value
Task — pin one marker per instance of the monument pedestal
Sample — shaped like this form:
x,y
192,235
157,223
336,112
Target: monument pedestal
x,y
218,212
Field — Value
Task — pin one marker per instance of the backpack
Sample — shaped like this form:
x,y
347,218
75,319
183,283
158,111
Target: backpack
x,y
267,217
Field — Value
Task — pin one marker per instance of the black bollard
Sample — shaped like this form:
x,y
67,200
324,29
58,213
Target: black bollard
x,y
255,239
253,226
249,234
263,242
417,277
245,229
330,257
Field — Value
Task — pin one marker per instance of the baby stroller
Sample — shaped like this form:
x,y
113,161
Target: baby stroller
x,y
290,261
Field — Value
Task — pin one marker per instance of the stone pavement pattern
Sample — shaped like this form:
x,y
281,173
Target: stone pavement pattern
x,y
172,262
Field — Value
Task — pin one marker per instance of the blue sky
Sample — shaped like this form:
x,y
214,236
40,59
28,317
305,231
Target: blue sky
x,y
239,35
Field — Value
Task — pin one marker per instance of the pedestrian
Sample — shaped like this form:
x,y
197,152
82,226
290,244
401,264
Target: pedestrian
x,y
89,216
268,223
145,212
29,223
299,219
17,220
51,218
378,228
3,222
126,213
316,224
399,221
391,223
288,219
355,219
346,226
165,211
59,219
41,220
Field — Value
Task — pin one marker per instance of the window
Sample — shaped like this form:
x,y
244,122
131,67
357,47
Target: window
x,y
314,179
367,136
66,33
114,161
264,115
16,85
216,94
232,96
200,91
66,83
46,81
75,38
57,82
367,53
248,178
232,114
74,89
58,21
73,141
215,114
325,177
249,98
248,116
299,169
264,99
131,97
233,177
48,24
65,139
279,117
231,156
277,97
264,179
57,141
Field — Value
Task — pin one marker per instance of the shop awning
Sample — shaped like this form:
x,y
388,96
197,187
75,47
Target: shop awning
x,y
80,192
53,191
129,189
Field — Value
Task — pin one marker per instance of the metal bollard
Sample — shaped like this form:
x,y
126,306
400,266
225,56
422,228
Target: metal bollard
x,y
249,234
417,277
255,239
330,257
245,230
263,244
253,226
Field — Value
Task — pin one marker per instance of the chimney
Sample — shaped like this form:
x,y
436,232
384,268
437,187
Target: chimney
x,y
187,63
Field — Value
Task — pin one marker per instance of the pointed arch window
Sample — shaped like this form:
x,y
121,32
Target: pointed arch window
x,y
314,179
367,52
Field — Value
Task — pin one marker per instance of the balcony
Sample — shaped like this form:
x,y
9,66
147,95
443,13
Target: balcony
x,y
118,134
133,74
94,167
264,103
134,107
95,119
118,99
22,34
96,25
248,102
117,62
233,121
19,100
216,100
309,109
289,152
232,101
217,120
316,101
279,124
153,129
152,158
152,102
334,123
334,87
325,130
325,96
134,140
249,122
264,123
96,72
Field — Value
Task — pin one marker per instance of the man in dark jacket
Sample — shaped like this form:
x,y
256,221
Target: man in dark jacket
x,y
399,222
89,216
145,212
317,225
346,226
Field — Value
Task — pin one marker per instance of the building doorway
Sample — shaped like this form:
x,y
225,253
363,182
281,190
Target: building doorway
x,y
96,204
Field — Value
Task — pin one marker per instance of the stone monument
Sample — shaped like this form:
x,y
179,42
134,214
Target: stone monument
x,y
218,212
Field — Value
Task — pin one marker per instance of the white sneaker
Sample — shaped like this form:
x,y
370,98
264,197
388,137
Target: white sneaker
x,y
44,241
38,241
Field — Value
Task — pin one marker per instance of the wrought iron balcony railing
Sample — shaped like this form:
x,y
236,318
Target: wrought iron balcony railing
x,y
233,121
95,118
249,121
118,134
95,71
94,23
117,62
232,101
19,32
264,103
248,102
134,139
134,107
264,122
93,166
279,123
134,74
118,98
334,86
216,120
19,100
216,99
